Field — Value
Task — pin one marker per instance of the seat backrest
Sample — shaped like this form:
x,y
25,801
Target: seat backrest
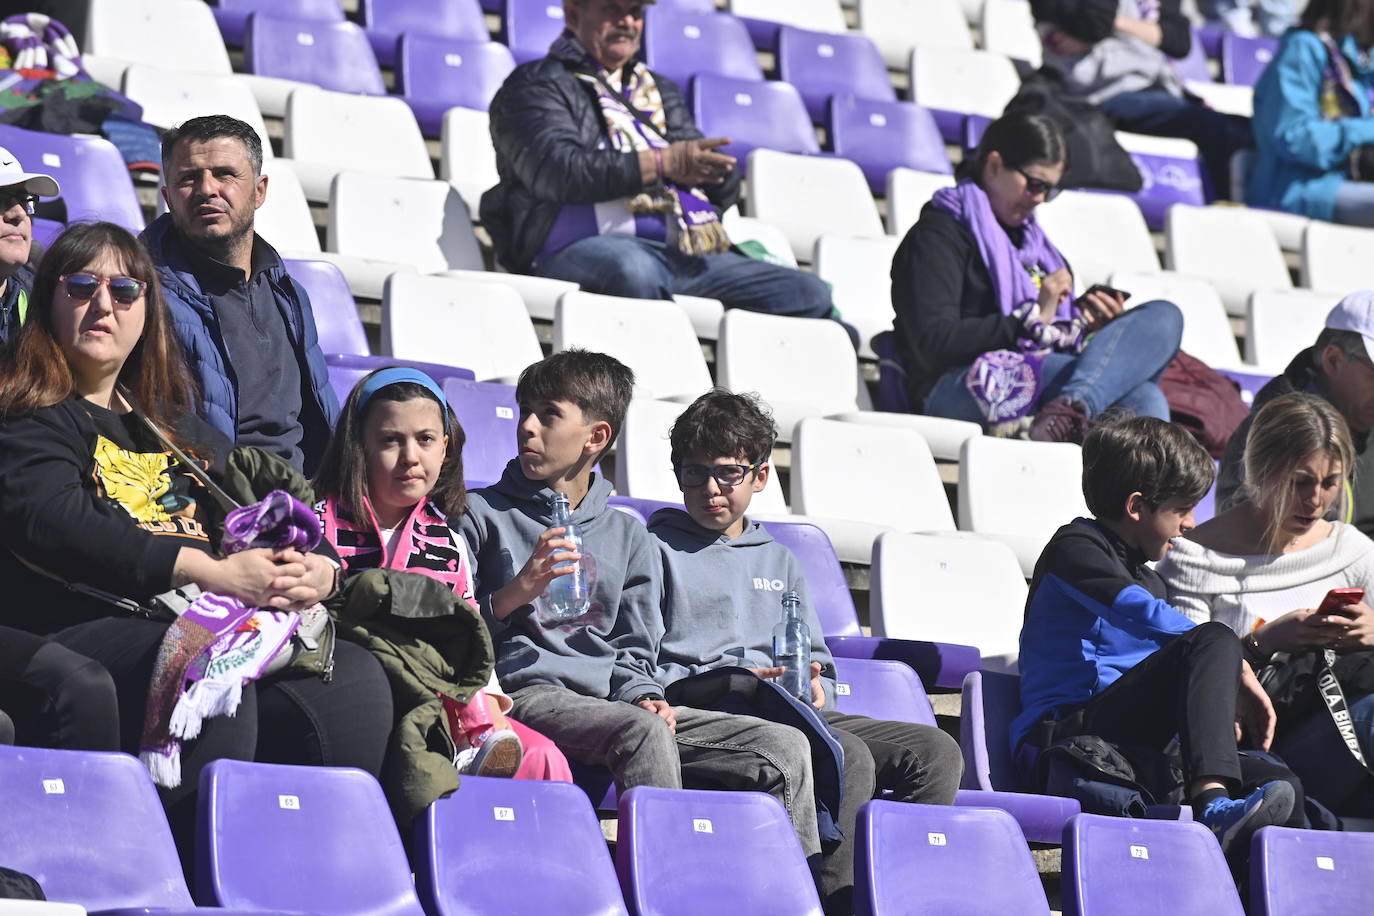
x,y
956,589
407,220
1008,486
1231,246
171,97
336,311
672,844
1008,27
946,857
882,136
299,838
652,337
1170,173
284,219
797,360
1194,66
172,34
481,326
1293,870
989,702
883,475
88,828
1336,258
1281,322
530,26
452,70
810,196
327,127
820,15
825,580
1176,865
345,370
331,55
897,26
233,15
881,689
859,272
450,19
94,179
823,64
1244,59
1206,328
1097,234
768,115
467,159
681,43
963,80
489,415
907,192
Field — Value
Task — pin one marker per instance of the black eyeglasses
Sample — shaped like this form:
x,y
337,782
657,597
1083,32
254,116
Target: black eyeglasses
x,y
8,199
124,290
1040,186
727,475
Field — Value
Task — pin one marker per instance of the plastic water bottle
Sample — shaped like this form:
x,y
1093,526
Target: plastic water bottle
x,y
792,649
569,596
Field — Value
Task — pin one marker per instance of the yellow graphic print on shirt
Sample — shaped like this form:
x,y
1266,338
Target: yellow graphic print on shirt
x,y
148,486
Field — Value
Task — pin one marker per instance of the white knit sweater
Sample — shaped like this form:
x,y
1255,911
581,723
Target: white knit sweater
x,y
1241,591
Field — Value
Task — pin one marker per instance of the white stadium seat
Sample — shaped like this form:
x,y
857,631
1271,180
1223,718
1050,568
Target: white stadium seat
x,y
467,160
897,26
1337,259
907,192
1231,246
326,133
651,336
859,273
957,79
171,34
1098,234
170,97
816,15
284,218
809,196
1206,328
424,224
1283,322
1009,28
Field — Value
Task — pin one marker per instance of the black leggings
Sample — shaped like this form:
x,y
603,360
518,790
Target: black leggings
x,y
56,697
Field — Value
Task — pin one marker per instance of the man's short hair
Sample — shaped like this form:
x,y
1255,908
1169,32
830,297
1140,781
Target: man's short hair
x,y
1160,460
1350,342
722,424
600,385
212,127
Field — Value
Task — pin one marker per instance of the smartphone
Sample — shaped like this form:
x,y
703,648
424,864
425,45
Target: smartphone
x,y
1109,290
1338,599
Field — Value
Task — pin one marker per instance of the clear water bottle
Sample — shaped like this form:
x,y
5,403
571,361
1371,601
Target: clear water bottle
x,y
569,595
792,649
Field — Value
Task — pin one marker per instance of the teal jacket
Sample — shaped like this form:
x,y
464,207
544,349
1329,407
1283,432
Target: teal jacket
x,y
1302,156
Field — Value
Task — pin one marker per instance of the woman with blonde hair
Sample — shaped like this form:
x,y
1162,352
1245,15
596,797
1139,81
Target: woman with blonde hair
x,y
1264,567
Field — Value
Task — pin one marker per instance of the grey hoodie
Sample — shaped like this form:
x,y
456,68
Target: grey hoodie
x,y
723,596
607,653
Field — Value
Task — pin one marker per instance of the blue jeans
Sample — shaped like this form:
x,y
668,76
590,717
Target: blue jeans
x,y
1354,203
1314,750
1163,114
617,265
1118,367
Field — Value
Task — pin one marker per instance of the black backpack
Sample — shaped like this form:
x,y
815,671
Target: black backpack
x,y
1095,159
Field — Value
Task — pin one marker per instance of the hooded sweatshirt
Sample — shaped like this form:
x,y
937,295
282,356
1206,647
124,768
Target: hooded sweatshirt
x,y
609,651
723,596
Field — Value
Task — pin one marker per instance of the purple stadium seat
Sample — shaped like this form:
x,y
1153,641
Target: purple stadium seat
x,y
974,127
232,15
301,838
564,866
333,56
530,26
346,369
336,312
1210,37
952,860
770,115
1132,865
436,73
488,415
1310,871
385,21
823,64
45,231
1194,66
1249,383
690,852
881,690
1244,59
881,136
1167,181
95,181
682,43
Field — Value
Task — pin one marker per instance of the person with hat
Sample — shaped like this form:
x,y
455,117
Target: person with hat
x,y
19,190
1339,367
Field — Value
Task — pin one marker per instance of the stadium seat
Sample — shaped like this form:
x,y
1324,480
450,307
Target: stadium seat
x,y
951,83
652,337
480,326
1117,864
765,17
332,55
488,415
937,859
1170,172
1224,97
1295,871
336,313
810,196
1336,259
881,690
284,218
1194,67
1098,234
170,97
1206,328
907,192
94,179
1230,246
1008,28
564,864
232,15
322,133
955,589
385,21
530,26
683,852
680,43
1244,59
309,839
859,273
346,370
897,26
435,73
743,229
769,115
1282,322
467,160
824,64
172,34
882,136
1019,492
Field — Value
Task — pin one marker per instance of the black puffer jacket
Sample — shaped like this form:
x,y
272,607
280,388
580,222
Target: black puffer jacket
x,y
552,149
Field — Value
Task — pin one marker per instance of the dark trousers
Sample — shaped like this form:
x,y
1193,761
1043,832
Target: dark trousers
x,y
56,697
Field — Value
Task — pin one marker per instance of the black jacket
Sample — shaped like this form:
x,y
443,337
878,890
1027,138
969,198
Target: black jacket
x,y
1093,20
552,149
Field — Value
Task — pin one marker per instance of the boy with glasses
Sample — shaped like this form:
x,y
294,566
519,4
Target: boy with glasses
x,y
19,191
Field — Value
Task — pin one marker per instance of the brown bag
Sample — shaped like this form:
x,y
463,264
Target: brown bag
x,y
1203,401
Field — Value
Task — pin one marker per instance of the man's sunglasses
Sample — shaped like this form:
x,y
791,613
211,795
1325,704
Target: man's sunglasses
x,y
124,290
1036,186
8,199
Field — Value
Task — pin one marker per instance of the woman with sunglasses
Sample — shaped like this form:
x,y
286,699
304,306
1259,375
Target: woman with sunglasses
x,y
987,326
94,509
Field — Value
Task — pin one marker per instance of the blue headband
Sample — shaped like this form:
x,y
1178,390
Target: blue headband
x,y
396,376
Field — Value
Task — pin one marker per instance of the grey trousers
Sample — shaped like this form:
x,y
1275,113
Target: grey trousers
x,y
710,750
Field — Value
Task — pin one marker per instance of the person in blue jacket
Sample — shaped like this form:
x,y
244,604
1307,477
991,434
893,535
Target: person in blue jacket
x,y
1314,132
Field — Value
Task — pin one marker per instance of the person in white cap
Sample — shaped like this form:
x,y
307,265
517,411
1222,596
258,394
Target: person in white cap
x,y
19,190
1339,368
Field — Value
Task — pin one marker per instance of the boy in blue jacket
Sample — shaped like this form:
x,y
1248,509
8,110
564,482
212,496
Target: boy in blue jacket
x,y
1104,654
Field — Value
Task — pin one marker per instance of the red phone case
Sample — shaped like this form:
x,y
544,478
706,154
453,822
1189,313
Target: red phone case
x,y
1338,598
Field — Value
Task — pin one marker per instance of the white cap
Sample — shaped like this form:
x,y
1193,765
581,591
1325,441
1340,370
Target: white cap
x,y
36,183
1355,313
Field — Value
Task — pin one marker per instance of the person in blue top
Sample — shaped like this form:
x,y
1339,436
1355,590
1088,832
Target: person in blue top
x,y
1104,654
1314,132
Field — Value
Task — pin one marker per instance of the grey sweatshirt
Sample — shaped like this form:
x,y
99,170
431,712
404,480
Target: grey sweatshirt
x,y
723,596
607,653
